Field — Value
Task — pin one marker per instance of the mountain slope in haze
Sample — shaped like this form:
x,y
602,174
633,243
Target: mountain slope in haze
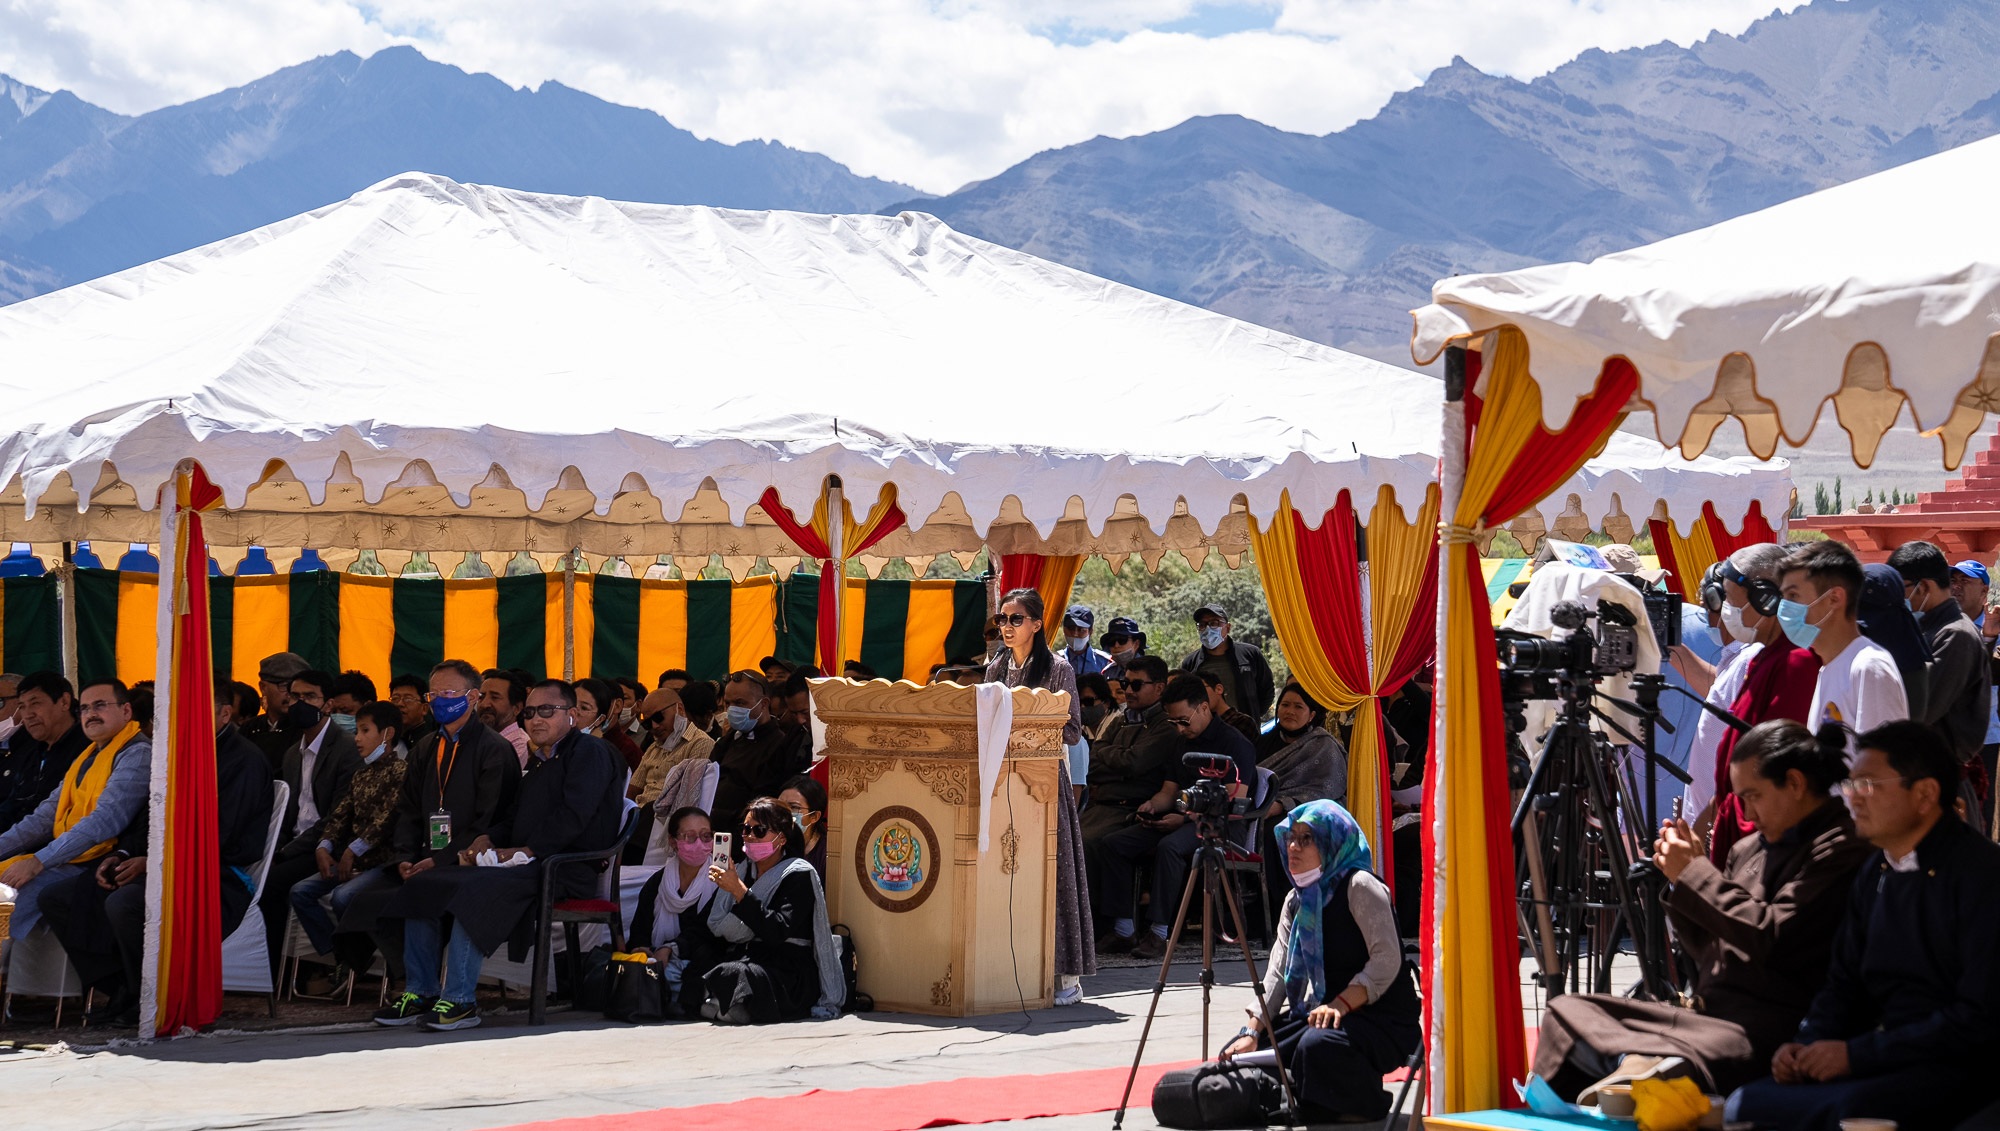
x,y
1335,238
84,192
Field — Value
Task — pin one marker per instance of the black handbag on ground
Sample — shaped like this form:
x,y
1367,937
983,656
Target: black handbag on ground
x,y
1216,1095
637,992
593,986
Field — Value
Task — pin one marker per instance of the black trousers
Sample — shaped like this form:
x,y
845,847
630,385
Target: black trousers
x,y
277,902
104,932
1110,862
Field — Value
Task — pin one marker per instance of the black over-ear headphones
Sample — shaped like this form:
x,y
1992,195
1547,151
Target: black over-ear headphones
x,y
1763,592
1711,589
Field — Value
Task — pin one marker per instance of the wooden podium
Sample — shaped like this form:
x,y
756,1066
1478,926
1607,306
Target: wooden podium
x,y
932,917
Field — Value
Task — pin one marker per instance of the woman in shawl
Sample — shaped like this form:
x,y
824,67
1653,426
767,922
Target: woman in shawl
x,y
770,914
1342,1000
1307,763
671,919
1028,662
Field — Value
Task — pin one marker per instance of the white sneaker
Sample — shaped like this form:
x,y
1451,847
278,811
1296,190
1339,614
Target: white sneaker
x,y
1069,989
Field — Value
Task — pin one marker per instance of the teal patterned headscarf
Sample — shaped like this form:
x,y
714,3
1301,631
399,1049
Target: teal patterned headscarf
x,y
1342,850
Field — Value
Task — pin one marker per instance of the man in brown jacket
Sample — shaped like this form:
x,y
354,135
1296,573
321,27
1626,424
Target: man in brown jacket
x,y
1760,930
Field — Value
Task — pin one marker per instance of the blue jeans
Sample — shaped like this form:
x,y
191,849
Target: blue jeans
x,y
462,960
314,917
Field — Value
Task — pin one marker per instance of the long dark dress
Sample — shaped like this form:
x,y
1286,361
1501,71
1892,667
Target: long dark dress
x,y
696,942
1338,1072
774,975
1076,949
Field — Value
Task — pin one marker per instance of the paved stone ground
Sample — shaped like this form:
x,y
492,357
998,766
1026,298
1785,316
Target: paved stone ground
x,y
353,1076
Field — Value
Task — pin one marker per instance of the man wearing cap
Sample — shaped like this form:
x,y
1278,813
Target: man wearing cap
x,y
1123,641
1078,620
1970,583
270,732
1245,674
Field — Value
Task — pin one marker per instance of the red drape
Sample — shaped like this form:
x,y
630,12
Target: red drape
x,y
812,540
1708,541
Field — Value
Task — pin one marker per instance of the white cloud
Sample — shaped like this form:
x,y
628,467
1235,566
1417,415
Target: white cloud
x,y
931,92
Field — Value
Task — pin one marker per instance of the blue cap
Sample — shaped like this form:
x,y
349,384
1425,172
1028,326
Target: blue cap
x,y
1081,617
1974,569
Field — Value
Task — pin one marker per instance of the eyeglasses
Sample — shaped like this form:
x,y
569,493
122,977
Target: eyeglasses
x,y
545,711
1183,722
1300,837
1089,703
1865,787
756,830
309,696
1011,620
406,700
702,838
1135,684
97,705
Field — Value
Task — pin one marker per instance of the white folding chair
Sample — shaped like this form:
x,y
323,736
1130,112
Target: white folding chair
x,y
246,955
37,966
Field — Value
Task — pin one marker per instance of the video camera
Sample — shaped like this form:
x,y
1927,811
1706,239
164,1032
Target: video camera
x,y
1209,796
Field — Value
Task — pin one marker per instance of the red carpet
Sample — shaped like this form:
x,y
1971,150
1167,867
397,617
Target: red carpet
x,y
945,1103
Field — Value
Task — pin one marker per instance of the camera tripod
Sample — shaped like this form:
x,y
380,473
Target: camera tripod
x,y
1207,869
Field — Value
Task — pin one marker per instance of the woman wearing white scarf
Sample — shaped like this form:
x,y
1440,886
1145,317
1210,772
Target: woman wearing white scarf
x,y
671,919
782,965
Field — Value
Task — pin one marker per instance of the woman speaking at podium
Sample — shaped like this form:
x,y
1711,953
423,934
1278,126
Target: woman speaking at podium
x,y
1341,997
1028,662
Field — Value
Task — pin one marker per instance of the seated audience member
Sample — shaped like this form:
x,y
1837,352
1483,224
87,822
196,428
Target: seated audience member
x,y
351,689
42,750
1907,1023
272,731
356,847
858,671
1123,642
1961,682
411,695
779,963
1343,1001
703,704
759,754
1307,763
1886,619
1859,686
317,770
99,916
1230,716
568,801
776,671
1760,929
806,798
78,824
674,679
10,701
501,695
1097,706
671,919
675,740
793,701
1170,838
1127,770
596,702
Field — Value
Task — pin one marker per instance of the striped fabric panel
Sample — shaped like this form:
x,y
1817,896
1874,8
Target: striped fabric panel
x,y
136,654
709,609
798,620
663,629
368,626
883,619
932,610
520,621
315,613
260,620
30,630
854,626
901,629
753,621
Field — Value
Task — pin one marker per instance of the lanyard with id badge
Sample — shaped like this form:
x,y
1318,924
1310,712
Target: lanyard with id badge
x,y
440,821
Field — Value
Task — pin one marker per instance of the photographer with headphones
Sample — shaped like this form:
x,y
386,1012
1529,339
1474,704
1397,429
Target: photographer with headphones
x,y
1771,678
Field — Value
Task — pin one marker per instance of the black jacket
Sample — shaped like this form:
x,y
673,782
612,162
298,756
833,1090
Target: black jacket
x,y
1255,689
481,777
333,768
1960,701
1913,979
1134,759
756,765
31,770
243,797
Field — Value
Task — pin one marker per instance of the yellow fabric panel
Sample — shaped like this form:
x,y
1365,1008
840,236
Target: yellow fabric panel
x,y
855,609
1399,553
260,624
472,621
753,621
583,634
552,625
367,626
929,623
663,627
1058,578
138,648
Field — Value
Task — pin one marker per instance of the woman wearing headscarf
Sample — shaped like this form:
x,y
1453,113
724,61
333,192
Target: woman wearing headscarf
x,y
1026,661
771,913
1343,1001
671,919
1887,620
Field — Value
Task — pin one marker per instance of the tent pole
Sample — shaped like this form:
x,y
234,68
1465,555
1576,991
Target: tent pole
x,y
836,545
1451,487
66,610
569,612
163,699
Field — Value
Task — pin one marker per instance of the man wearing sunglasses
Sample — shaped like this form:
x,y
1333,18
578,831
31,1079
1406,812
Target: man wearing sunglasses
x,y
1126,770
675,741
759,754
1908,1022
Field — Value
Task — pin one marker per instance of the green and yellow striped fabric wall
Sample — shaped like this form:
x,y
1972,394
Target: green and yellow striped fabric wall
x,y
900,629
30,628
391,625
640,628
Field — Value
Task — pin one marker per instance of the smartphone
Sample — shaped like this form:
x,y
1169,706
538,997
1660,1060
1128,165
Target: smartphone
x,y
720,855
1677,807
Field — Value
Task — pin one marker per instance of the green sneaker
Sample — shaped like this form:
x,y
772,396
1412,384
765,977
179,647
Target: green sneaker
x,y
448,1015
405,1009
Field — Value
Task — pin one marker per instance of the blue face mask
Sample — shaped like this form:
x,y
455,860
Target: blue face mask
x,y
1792,618
742,718
448,711
1211,637
343,721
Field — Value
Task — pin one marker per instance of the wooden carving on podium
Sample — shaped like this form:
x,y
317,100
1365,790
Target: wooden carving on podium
x,y
904,870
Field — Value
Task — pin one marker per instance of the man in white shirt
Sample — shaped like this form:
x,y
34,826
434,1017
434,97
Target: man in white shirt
x,y
1859,685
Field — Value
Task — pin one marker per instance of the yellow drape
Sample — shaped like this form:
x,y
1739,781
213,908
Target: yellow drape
x,y
80,790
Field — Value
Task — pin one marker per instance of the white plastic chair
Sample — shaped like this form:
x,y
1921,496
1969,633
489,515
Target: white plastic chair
x,y
246,956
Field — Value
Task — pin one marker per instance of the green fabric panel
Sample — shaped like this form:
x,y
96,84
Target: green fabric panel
x,y
798,621
96,623
614,648
523,608
708,629
315,601
222,625
884,626
967,637
33,640
418,606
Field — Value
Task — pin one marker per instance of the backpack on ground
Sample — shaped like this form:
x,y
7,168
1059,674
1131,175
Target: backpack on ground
x,y
1215,1095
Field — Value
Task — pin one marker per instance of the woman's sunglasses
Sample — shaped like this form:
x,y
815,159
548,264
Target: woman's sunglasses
x,y
1011,620
756,830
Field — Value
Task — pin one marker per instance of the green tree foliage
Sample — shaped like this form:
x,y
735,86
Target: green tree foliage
x,y
1164,601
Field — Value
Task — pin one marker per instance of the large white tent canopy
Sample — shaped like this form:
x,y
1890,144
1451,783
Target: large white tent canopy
x,y
436,366
1868,293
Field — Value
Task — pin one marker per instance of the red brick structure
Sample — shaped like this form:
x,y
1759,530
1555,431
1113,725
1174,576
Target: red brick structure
x,y
1963,519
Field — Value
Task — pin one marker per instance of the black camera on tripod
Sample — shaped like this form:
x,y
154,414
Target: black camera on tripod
x,y
1209,797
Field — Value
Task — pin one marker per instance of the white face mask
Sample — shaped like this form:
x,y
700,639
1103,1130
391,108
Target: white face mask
x,y
1305,879
680,727
1732,623
1079,643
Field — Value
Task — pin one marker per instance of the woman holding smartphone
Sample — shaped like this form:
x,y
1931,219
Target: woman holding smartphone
x,y
770,913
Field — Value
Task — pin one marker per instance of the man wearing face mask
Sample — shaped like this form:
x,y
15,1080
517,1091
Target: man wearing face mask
x,y
1123,642
318,769
759,754
1960,683
1083,659
1244,673
1859,685
674,742
1771,678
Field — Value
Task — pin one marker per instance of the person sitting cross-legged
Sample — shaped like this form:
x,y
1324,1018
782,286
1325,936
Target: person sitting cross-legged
x,y
779,962
671,917
569,800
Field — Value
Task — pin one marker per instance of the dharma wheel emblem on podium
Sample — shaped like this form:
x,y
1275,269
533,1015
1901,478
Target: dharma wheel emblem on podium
x,y
897,858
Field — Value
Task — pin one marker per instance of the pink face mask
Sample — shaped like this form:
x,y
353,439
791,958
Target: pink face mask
x,y
759,850
693,851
